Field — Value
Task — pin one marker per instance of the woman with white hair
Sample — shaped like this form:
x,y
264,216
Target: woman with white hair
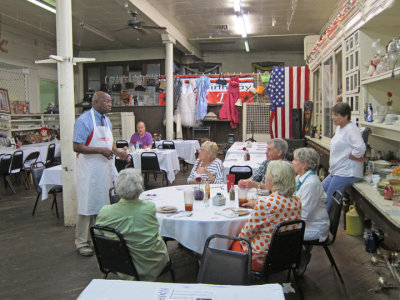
x,y
281,205
136,221
207,166
312,196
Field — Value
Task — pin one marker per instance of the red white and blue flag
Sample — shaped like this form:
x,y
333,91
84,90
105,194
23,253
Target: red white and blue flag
x,y
288,88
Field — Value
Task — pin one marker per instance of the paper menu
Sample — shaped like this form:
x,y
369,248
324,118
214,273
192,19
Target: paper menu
x,y
165,293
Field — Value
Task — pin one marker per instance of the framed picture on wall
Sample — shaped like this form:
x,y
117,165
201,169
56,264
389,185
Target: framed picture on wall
x,y
4,101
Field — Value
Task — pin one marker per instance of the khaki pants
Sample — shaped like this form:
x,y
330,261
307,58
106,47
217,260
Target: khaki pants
x,y
82,234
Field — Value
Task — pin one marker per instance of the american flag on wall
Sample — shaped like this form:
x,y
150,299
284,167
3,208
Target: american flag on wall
x,y
288,88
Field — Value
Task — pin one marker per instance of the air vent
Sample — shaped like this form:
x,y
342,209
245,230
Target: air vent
x,y
224,27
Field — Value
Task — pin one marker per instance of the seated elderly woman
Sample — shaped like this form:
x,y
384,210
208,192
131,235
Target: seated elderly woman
x,y
312,196
258,230
136,221
207,166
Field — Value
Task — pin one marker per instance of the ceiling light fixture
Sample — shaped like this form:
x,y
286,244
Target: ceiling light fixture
x,y
43,5
273,22
242,25
96,31
246,46
236,6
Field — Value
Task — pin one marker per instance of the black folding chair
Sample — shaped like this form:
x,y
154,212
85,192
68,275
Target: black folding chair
x,y
16,164
113,254
121,144
50,155
30,159
334,217
150,165
37,169
236,266
168,145
5,163
114,197
241,172
284,251
121,164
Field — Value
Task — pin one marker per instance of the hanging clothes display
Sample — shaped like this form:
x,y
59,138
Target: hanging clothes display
x,y
177,115
229,111
203,83
187,103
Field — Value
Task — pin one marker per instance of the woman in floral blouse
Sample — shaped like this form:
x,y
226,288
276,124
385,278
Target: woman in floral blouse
x,y
269,211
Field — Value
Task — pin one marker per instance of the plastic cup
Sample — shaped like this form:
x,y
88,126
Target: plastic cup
x,y
188,198
242,195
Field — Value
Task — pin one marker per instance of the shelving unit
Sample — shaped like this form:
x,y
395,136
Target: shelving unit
x,y
5,124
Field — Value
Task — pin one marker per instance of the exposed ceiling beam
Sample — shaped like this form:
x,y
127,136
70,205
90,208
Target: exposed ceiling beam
x,y
182,41
249,37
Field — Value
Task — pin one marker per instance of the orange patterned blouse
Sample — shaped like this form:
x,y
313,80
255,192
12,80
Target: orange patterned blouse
x,y
268,212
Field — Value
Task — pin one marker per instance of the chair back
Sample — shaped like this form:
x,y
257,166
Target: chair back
x,y
5,163
17,161
112,252
168,145
241,172
114,197
37,172
334,214
50,154
30,159
121,144
236,266
285,247
149,161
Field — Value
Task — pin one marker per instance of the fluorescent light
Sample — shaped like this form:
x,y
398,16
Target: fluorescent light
x,y
273,22
97,31
242,25
43,5
236,6
246,46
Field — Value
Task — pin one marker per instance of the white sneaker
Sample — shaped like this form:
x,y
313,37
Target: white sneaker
x,y
85,251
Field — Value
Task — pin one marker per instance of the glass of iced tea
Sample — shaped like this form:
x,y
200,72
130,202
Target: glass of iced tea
x,y
188,198
242,195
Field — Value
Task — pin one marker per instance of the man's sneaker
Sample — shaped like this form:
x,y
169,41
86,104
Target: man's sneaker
x,y
85,251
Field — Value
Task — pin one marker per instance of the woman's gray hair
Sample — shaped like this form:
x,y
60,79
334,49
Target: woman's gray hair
x,y
309,156
283,177
281,144
129,184
211,148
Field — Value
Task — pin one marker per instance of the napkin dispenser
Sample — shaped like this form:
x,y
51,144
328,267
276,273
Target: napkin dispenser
x,y
219,199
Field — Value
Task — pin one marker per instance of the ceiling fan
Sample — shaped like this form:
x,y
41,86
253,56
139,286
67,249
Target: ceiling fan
x,y
136,24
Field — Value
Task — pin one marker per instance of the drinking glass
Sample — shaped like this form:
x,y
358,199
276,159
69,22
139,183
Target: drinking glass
x,y
188,198
242,195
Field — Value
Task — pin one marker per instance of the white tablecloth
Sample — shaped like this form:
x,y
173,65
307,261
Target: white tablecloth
x,y
168,160
256,148
186,149
238,160
101,289
193,231
51,177
41,147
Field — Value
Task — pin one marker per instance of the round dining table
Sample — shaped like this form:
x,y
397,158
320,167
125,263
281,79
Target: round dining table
x,y
192,229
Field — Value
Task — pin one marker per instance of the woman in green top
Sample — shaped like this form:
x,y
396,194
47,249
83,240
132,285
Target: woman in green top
x,y
136,221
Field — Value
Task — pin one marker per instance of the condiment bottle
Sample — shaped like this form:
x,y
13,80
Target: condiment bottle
x,y
232,193
208,192
389,192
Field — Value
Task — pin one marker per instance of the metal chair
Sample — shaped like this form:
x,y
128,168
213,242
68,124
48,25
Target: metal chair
x,y
241,172
50,155
121,164
334,217
150,165
236,266
168,145
113,254
16,164
121,144
5,163
284,251
114,197
30,159
37,172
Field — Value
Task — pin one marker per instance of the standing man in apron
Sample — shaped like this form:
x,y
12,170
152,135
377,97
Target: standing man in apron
x,y
93,143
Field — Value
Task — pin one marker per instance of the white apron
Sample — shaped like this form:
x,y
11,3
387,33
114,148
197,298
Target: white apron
x,y
94,172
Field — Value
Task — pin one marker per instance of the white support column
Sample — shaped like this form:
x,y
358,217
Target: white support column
x,y
169,67
67,109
